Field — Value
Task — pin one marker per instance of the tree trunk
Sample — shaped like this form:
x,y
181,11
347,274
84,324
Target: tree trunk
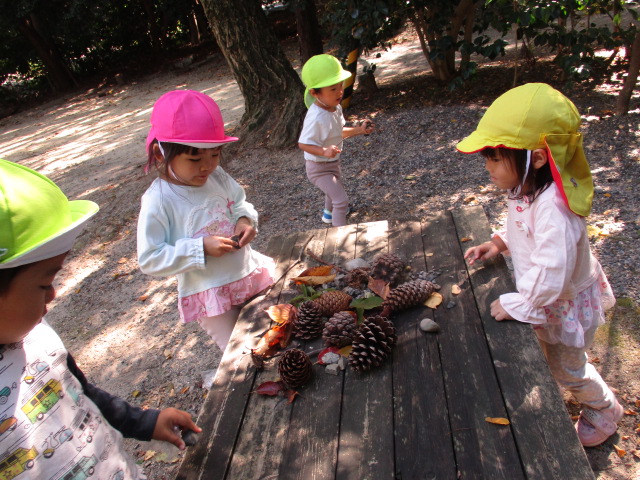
x,y
624,97
309,37
155,35
58,72
272,90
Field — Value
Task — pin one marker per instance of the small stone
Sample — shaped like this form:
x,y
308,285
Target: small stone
x,y
342,362
332,369
428,325
330,357
356,263
451,304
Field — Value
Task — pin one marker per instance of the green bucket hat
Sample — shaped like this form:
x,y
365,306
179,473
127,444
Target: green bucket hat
x,y
536,115
321,71
37,220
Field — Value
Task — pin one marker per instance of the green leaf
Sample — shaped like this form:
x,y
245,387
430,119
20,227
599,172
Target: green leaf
x,y
366,303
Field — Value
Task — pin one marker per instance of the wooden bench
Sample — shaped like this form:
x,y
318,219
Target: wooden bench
x,y
422,415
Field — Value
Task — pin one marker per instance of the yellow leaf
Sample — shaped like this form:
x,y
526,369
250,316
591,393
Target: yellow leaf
x,y
593,231
280,313
455,289
430,254
607,194
135,394
149,455
620,451
497,420
345,351
314,280
434,300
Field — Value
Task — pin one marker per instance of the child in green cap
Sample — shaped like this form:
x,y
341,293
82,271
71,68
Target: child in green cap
x,y
532,148
53,422
323,131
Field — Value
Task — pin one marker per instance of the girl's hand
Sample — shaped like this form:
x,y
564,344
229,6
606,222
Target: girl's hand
x,y
482,252
218,246
366,127
331,151
169,424
244,231
498,312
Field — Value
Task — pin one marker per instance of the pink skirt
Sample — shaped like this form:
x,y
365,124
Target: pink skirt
x,y
568,320
218,300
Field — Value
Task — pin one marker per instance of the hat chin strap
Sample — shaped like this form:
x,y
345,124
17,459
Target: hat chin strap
x,y
170,170
516,191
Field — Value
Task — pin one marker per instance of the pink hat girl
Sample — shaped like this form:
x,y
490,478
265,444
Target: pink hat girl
x,y
195,222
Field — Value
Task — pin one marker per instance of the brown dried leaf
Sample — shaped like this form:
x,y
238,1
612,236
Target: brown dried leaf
x,y
314,280
345,351
281,313
434,300
142,298
321,271
149,455
620,451
184,390
455,289
291,395
466,239
628,411
379,287
270,388
497,420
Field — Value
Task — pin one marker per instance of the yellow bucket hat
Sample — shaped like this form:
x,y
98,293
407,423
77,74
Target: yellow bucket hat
x,y
321,71
536,115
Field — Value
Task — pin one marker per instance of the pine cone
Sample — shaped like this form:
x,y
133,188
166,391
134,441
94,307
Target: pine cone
x,y
332,301
388,267
295,368
340,330
309,321
372,343
358,278
407,295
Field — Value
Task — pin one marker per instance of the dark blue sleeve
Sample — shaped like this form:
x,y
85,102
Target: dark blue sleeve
x,y
131,421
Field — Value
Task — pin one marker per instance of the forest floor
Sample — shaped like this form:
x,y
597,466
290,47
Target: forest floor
x,y
122,326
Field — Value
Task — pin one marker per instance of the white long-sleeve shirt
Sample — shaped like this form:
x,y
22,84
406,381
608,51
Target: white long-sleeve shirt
x,y
173,221
551,255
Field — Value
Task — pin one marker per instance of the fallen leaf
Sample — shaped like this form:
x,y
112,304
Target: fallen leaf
x,y
345,351
142,298
607,194
135,393
149,455
434,300
321,271
430,254
270,388
281,313
321,355
628,411
122,260
497,420
595,360
184,390
291,395
620,451
636,453
466,239
455,289
277,336
379,287
638,403
314,280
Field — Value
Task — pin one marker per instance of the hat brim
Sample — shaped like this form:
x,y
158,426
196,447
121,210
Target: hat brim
x,y
60,242
477,142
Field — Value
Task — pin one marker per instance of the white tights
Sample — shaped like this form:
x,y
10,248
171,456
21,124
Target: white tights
x,y
220,327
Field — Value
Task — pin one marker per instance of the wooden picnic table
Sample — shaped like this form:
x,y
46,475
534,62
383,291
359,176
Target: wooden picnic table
x,y
423,414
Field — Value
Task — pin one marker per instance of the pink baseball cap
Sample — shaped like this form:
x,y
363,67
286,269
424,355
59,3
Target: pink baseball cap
x,y
189,118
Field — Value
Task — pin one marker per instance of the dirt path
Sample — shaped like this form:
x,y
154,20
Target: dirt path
x,y
121,325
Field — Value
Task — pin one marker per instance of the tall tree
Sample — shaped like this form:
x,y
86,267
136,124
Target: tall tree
x,y
272,90
307,26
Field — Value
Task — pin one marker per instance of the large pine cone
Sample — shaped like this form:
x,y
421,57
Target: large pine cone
x,y
407,295
340,330
388,267
332,301
309,321
372,344
295,368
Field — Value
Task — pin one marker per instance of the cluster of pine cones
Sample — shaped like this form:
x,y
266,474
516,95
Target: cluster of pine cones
x,y
329,316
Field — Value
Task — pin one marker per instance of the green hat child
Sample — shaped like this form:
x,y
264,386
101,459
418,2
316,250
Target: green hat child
x,y
37,221
321,71
536,115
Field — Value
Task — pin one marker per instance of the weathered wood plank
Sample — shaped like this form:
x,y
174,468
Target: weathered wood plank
x,y
223,410
258,451
366,429
423,440
482,449
547,442
310,451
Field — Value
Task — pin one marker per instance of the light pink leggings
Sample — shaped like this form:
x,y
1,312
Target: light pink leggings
x,y
327,176
221,326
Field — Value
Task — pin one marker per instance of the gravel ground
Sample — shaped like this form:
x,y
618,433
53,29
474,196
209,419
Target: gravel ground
x,y
122,326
